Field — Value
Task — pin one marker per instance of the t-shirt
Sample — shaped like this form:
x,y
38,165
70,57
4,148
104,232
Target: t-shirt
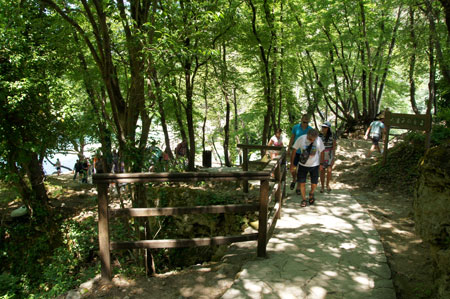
x,y
298,131
328,144
276,141
314,158
376,127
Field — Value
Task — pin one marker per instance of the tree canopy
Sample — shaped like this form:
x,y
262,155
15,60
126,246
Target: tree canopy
x,y
208,72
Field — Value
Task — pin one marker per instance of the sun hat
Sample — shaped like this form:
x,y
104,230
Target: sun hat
x,y
326,124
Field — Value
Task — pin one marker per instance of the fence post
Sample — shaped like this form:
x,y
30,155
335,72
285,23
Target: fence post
x,y
262,222
387,123
103,231
245,167
278,194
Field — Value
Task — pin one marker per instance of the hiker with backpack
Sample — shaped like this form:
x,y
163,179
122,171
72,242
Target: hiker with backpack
x,y
376,131
298,130
309,162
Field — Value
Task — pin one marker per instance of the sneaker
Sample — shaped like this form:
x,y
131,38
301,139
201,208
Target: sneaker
x,y
292,186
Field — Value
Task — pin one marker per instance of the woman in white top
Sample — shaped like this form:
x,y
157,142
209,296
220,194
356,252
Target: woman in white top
x,y
276,140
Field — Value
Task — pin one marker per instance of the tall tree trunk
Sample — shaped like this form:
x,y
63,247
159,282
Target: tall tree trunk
x,y
178,108
20,182
205,116
388,60
236,124
190,114
266,79
432,78
412,62
162,113
443,65
446,5
36,177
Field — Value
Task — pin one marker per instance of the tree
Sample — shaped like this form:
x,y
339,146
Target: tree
x,y
31,97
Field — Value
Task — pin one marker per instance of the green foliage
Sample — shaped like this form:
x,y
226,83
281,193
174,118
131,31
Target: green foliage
x,y
9,285
441,127
37,262
400,171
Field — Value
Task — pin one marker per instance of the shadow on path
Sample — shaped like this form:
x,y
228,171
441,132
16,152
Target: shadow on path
x,y
328,250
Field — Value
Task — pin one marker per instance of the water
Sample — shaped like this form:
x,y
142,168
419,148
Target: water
x,y
67,160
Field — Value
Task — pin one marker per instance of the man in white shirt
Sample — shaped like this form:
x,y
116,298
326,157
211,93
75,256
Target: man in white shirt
x,y
312,164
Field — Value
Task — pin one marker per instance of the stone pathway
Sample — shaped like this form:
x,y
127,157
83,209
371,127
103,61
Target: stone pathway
x,y
328,250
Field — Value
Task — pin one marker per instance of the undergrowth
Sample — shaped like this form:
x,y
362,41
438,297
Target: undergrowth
x,y
36,263
401,169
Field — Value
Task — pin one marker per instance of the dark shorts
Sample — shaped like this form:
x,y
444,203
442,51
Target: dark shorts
x,y
296,159
303,172
375,140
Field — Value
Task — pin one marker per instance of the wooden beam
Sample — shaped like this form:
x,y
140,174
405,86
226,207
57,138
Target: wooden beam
x,y
273,193
245,168
170,243
260,147
262,218
103,231
214,209
177,177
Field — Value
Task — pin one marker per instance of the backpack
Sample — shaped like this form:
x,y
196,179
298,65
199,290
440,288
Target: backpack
x,y
304,156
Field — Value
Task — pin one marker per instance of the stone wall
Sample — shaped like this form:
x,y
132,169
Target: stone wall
x,y
432,211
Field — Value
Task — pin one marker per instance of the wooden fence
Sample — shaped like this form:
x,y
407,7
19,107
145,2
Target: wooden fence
x,y
275,171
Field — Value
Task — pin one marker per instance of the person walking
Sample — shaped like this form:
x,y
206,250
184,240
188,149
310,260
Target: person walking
x,y
311,147
275,140
376,131
298,130
76,169
327,156
84,171
58,166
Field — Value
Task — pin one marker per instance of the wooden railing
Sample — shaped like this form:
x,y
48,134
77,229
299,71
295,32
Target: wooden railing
x,y
275,171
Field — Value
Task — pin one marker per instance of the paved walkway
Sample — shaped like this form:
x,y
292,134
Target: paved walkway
x,y
328,250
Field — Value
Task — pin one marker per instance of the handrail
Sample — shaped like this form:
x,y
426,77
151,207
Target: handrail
x,y
274,171
177,176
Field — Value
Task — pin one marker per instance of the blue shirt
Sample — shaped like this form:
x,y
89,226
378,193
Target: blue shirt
x,y
376,127
298,131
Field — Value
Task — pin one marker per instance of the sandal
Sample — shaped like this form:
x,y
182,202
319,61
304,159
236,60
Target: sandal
x,y
298,192
322,190
303,204
292,186
311,199
328,189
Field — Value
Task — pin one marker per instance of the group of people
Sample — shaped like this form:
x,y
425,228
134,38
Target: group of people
x,y
313,152
318,150
84,168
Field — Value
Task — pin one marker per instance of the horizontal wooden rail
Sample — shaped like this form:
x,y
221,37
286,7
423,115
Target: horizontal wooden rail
x,y
260,147
178,243
274,171
178,177
214,209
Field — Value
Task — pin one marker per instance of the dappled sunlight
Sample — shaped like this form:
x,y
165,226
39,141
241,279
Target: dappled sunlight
x,y
328,249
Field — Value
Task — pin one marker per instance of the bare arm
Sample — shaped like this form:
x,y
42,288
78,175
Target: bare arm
x,y
367,132
292,168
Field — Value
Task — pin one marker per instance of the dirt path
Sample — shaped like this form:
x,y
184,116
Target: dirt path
x,y
391,213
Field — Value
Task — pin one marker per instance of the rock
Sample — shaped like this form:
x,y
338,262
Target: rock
x,y
90,283
19,212
432,211
73,294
